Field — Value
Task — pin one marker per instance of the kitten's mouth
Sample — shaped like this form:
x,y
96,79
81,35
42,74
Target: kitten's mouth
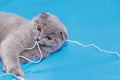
x,y
37,39
39,42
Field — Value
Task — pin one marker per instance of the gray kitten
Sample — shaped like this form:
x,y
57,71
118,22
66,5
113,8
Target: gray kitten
x,y
17,33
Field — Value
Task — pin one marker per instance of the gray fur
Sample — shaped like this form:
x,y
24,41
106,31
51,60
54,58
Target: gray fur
x,y
17,33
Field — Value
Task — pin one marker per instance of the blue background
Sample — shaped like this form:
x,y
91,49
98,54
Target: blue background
x,y
87,21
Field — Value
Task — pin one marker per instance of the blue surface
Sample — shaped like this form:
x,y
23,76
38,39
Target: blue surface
x,y
88,21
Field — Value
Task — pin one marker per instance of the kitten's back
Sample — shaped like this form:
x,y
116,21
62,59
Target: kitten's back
x,y
9,22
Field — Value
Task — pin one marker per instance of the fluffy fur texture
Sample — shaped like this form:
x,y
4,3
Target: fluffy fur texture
x,y
17,33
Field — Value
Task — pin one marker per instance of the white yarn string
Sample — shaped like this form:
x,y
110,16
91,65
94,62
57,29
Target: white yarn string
x,y
93,45
18,78
40,53
72,41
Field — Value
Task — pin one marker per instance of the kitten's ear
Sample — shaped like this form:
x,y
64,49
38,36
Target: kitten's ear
x,y
44,15
64,35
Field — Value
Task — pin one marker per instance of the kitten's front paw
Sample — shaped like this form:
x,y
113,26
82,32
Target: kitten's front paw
x,y
15,71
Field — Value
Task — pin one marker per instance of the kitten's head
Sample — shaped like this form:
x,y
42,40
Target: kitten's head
x,y
49,32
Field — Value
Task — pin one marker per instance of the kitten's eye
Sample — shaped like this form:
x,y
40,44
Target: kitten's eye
x,y
48,38
39,28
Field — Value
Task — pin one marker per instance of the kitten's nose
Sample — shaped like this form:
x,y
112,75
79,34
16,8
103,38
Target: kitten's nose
x,y
37,39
